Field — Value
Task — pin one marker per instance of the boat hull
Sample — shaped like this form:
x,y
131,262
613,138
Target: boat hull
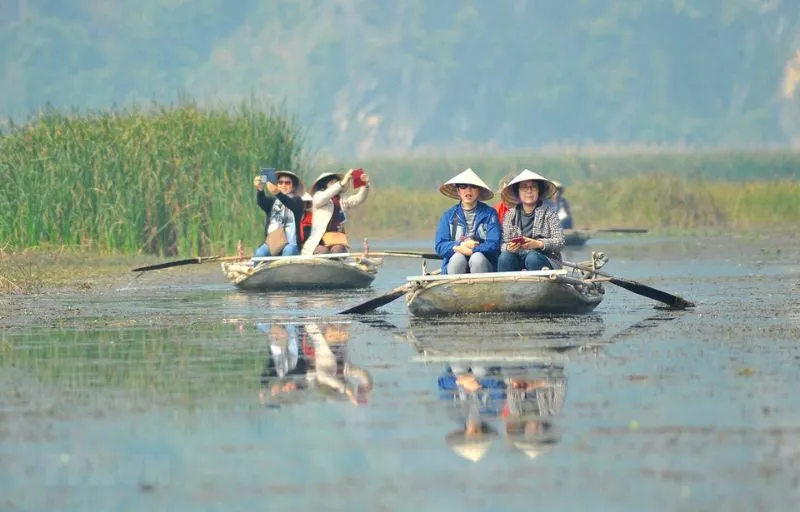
x,y
301,274
505,293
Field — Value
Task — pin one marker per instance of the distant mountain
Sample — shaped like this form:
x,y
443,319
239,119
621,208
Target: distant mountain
x,y
372,77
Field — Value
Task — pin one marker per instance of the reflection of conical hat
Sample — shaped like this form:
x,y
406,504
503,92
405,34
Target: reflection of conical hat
x,y
508,196
472,448
533,449
323,177
467,177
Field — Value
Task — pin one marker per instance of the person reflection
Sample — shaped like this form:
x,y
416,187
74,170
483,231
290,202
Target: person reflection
x,y
309,358
524,397
474,396
534,396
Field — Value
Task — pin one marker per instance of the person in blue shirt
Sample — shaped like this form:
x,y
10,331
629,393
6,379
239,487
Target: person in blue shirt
x,y
468,236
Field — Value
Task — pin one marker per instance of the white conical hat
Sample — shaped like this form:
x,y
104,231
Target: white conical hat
x,y
306,197
558,184
323,176
472,448
467,177
299,186
508,196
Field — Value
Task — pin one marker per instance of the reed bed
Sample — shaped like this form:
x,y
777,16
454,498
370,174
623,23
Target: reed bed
x,y
577,165
165,180
657,202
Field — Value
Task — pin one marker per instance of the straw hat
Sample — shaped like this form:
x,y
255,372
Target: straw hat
x,y
508,196
323,177
467,177
472,448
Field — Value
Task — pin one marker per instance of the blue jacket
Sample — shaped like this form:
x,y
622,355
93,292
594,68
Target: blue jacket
x,y
487,228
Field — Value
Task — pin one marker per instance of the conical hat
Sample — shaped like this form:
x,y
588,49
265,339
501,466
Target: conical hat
x,y
299,187
470,448
507,194
324,176
558,184
467,177
306,197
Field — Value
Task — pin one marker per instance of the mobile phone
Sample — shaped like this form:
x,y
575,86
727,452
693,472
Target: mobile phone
x,y
518,240
357,182
269,174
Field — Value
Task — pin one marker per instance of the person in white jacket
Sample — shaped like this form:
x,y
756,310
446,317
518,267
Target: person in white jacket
x,y
329,212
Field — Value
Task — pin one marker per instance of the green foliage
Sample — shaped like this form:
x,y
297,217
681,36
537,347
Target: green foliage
x,y
162,180
655,201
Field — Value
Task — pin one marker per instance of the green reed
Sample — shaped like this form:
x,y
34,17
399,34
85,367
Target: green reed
x,y
656,202
573,166
163,180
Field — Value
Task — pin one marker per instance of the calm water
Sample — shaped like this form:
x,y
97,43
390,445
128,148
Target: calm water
x,y
174,391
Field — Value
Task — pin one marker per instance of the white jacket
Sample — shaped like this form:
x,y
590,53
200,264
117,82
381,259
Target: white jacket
x,y
322,211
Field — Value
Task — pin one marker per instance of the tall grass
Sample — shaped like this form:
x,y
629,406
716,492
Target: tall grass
x,y
165,180
655,201
573,166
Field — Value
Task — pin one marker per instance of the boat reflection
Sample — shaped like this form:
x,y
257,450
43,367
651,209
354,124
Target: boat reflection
x,y
310,361
504,381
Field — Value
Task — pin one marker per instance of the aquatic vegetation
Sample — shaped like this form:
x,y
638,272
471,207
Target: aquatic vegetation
x,y
162,180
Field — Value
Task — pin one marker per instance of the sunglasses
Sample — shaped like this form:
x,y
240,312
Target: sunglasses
x,y
464,186
284,182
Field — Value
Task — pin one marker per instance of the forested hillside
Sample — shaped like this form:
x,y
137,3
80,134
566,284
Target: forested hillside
x,y
375,77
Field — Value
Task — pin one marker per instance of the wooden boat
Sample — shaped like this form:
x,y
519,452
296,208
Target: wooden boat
x,y
576,237
302,273
537,291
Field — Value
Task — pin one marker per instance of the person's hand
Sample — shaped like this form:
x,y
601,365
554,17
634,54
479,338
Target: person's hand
x,y
468,382
513,247
257,183
273,188
460,249
469,243
365,178
347,177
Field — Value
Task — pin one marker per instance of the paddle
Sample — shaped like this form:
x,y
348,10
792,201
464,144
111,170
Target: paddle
x,y
673,301
382,300
188,261
619,230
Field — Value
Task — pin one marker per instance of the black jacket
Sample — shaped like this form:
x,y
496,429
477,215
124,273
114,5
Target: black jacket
x,y
293,203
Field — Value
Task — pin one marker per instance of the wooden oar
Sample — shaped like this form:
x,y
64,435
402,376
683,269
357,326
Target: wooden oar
x,y
382,300
619,230
207,259
674,301
188,261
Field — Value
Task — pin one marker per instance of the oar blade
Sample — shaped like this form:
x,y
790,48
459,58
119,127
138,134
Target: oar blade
x,y
673,301
375,303
168,264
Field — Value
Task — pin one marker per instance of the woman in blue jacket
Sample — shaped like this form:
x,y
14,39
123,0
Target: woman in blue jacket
x,y
469,234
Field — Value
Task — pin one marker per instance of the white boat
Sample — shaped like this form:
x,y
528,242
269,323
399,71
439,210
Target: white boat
x,y
303,272
538,291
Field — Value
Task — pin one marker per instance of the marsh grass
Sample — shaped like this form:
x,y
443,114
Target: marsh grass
x,y
658,202
578,165
165,180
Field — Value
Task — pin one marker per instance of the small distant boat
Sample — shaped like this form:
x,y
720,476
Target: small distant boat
x,y
303,273
576,237
538,291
